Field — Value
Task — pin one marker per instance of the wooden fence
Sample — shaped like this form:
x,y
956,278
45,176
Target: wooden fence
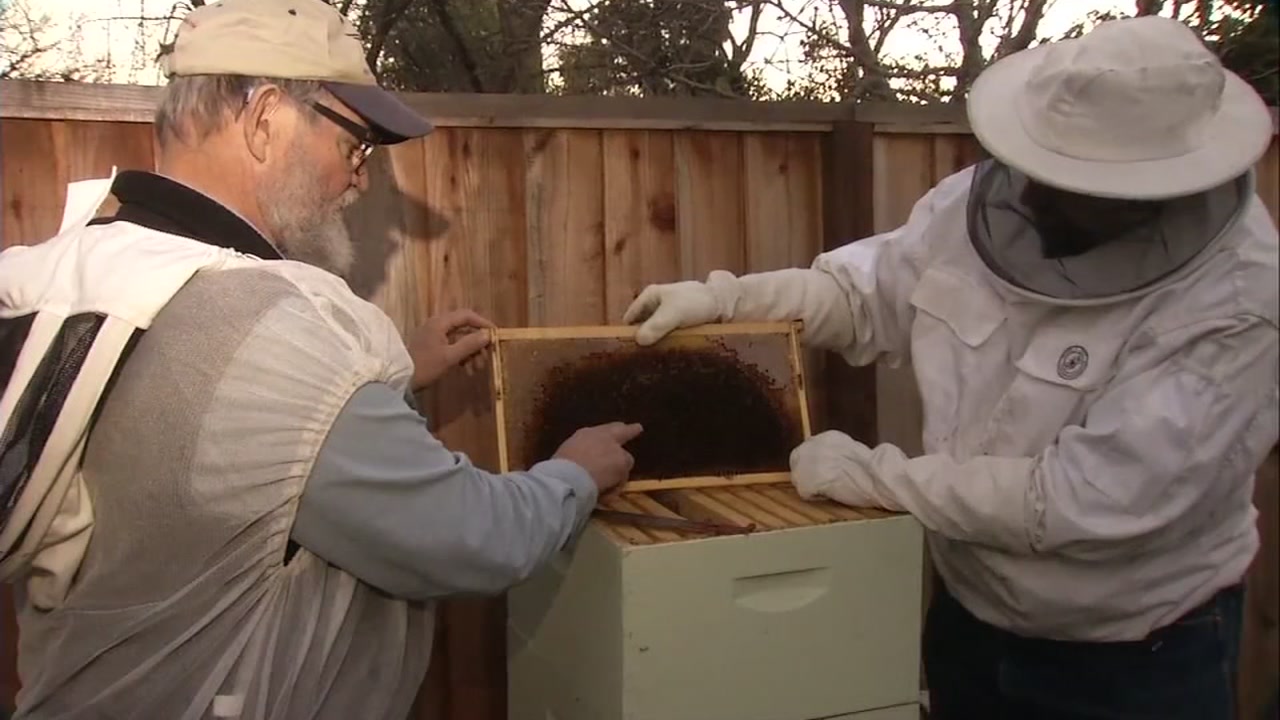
x,y
553,211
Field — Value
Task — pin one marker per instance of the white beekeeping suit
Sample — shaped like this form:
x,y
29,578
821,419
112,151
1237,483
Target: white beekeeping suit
x,y
193,488
1093,414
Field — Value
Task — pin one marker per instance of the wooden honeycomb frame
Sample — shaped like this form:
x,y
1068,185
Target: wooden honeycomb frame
x,y
768,507
625,334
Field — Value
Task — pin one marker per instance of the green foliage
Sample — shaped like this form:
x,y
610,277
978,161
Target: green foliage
x,y
654,47
456,45
1248,41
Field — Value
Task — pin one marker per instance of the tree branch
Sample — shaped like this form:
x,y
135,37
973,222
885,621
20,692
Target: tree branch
x,y
968,22
390,13
440,9
743,51
912,7
872,76
1149,7
1026,34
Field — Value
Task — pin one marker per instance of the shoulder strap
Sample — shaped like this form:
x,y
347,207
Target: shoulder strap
x,y
84,199
57,368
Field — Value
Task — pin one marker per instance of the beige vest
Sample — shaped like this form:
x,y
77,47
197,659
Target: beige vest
x,y
182,604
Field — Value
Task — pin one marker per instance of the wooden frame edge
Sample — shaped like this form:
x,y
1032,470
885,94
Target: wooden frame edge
x,y
499,406
802,386
626,332
705,481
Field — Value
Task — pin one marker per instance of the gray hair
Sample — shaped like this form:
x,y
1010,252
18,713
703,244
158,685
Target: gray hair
x,y
195,106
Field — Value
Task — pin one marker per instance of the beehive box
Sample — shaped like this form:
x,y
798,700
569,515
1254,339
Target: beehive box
x,y
814,614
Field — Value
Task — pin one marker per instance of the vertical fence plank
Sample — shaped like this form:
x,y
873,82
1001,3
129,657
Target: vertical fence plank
x,y
849,402
804,151
783,204
41,157
954,152
783,200
904,173
709,206
33,181
641,246
566,227
504,230
91,148
387,224
770,224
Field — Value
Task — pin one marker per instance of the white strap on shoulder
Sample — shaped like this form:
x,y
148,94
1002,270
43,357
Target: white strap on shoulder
x,y
84,198
48,528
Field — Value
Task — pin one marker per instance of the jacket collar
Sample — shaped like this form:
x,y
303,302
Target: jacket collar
x,y
159,203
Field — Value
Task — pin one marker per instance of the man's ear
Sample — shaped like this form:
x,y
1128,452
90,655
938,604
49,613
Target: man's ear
x,y
263,122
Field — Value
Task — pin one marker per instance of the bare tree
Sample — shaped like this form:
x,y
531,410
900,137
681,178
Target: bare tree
x,y
860,47
32,47
895,50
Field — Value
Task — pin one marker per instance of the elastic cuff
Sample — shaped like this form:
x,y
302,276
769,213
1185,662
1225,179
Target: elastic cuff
x,y
726,289
585,493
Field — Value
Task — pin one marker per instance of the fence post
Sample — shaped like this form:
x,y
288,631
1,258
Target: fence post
x,y
848,402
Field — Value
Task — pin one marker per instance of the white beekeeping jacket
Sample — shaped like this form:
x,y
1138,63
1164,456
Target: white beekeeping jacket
x,y
1089,461
146,535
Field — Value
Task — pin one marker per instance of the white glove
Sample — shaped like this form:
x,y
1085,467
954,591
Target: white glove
x,y
990,501
664,308
834,465
811,296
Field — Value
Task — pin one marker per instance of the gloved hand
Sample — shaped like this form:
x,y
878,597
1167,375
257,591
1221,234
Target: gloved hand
x,y
812,296
835,466
985,500
663,308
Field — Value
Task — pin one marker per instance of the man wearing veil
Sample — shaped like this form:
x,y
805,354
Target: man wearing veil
x,y
1091,318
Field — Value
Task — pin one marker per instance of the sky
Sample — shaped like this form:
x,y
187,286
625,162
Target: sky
x,y
90,25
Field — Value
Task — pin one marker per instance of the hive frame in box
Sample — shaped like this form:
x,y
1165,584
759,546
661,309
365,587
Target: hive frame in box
x,y
625,333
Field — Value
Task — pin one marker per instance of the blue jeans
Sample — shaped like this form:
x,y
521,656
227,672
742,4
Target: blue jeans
x,y
1184,671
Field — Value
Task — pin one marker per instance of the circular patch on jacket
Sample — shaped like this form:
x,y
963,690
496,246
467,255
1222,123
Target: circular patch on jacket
x,y
1073,362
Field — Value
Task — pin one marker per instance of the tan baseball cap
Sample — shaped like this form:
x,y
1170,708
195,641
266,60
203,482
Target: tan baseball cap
x,y
292,40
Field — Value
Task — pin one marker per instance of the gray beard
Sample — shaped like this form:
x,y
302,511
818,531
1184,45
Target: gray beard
x,y
304,225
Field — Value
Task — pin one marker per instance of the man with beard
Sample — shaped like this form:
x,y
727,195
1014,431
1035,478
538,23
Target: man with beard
x,y
1091,317
259,523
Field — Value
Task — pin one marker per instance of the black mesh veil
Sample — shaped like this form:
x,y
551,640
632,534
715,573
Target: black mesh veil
x,y
36,412
1130,246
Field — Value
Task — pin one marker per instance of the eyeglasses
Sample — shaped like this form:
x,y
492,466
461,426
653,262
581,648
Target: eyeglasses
x,y
364,135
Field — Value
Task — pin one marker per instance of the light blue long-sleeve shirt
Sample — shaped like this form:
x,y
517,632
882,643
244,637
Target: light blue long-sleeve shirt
x,y
390,504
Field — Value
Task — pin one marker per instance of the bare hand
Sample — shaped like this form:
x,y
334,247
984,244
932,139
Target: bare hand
x,y
444,342
599,451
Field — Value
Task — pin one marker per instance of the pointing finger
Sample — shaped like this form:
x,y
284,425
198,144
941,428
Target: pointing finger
x,y
624,433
